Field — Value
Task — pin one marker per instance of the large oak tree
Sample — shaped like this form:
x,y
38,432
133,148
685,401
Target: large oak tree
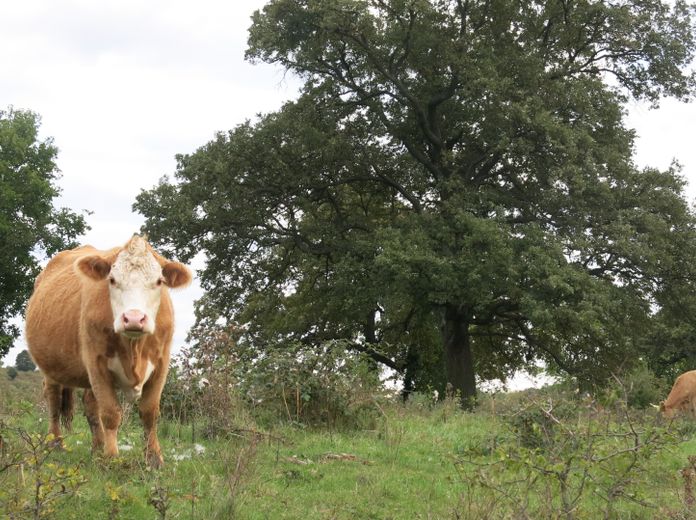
x,y
453,192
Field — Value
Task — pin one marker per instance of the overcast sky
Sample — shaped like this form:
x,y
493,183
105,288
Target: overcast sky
x,y
123,86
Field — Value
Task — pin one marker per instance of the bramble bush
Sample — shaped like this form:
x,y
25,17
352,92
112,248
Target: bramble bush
x,y
641,386
568,456
224,376
200,392
325,386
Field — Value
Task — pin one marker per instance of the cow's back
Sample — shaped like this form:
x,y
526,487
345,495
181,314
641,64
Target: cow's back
x,y
53,319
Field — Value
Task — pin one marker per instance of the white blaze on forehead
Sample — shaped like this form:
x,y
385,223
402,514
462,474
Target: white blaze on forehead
x,y
136,265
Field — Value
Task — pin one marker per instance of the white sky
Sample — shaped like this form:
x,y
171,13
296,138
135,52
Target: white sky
x,y
123,86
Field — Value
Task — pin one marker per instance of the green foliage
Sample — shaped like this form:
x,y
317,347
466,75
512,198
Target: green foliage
x,y
571,458
642,387
326,386
42,482
178,398
205,398
535,427
452,194
11,372
288,382
19,392
29,223
24,363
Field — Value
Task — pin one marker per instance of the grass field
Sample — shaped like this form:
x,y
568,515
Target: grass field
x,y
420,460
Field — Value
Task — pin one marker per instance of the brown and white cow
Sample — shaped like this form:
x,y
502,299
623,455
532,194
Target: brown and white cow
x,y
682,397
103,320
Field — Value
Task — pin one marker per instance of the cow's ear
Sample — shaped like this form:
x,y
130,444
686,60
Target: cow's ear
x,y
176,274
94,266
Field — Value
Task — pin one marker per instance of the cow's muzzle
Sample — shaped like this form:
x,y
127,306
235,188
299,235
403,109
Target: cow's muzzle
x,y
134,323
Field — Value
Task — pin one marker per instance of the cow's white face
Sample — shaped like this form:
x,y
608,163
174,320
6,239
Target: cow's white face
x,y
135,290
135,279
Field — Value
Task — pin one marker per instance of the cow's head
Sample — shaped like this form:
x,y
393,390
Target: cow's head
x,y
672,411
136,275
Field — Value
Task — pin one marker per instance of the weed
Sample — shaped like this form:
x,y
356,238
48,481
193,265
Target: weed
x,y
39,483
240,468
159,500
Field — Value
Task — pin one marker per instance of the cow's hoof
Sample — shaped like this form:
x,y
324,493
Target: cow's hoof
x,y
55,443
154,460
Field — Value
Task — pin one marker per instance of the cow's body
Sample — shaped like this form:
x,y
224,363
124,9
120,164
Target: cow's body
x,y
102,321
682,397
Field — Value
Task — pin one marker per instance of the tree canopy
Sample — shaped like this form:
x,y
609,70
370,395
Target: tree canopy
x,y
453,192
30,225
24,363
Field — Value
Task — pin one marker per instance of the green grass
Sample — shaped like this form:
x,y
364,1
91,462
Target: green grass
x,y
408,466
404,469
25,387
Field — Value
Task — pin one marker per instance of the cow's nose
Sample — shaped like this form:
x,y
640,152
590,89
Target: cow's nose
x,y
134,320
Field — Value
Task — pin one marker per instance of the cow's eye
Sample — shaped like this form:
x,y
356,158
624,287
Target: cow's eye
x,y
159,282
112,280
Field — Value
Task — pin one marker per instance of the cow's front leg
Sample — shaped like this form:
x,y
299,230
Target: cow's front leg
x,y
109,414
149,413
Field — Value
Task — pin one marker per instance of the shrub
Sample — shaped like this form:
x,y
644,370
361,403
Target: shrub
x,y
205,398
641,386
44,481
316,386
11,373
224,376
569,458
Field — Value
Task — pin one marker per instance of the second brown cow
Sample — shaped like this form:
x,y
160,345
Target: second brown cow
x,y
682,397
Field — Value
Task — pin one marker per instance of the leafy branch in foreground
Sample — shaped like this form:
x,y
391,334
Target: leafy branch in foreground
x,y
37,483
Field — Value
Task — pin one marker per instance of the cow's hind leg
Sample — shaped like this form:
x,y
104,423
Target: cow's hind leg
x,y
53,392
67,407
92,415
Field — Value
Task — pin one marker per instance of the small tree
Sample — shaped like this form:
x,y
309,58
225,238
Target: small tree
x,y
24,362
11,373
31,225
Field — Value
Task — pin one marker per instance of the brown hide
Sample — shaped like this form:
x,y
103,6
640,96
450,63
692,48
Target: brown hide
x,y
682,397
70,335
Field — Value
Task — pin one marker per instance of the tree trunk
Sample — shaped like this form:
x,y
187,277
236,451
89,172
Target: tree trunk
x,y
459,361
409,372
